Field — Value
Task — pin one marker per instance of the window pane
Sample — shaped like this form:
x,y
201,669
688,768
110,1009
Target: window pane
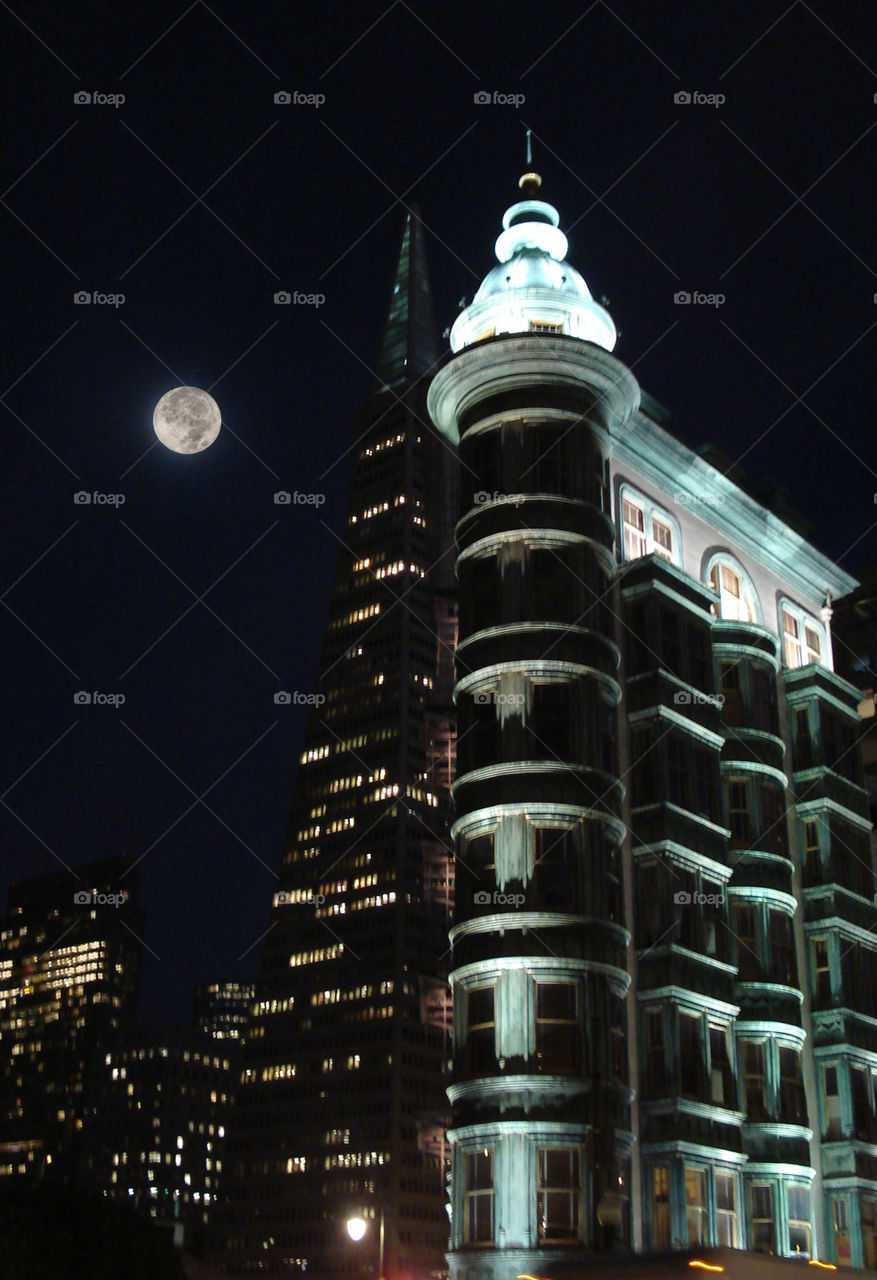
x,y
559,1193
661,1207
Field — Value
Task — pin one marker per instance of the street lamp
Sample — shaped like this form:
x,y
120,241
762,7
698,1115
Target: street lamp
x,y
356,1229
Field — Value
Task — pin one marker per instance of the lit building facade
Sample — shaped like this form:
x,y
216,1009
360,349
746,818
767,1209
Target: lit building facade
x,y
165,1102
222,1009
70,961
665,940
342,1108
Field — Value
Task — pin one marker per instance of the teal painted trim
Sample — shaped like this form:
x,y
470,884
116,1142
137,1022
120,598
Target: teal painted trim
x,y
688,858
665,462
695,1001
691,727
687,813
660,588
754,766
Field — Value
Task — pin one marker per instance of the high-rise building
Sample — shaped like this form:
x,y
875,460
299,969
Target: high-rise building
x,y
161,1126
665,941
341,1112
222,1009
70,955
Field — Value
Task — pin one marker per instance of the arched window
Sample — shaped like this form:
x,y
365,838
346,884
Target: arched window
x,y
737,599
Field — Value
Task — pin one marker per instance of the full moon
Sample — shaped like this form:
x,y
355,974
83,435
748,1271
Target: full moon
x,y
187,420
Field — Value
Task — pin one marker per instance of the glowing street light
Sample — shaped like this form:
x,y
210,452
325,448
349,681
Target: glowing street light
x,y
357,1228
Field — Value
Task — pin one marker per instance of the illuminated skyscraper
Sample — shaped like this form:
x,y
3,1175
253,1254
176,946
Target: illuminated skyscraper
x,y
69,982
665,941
342,1108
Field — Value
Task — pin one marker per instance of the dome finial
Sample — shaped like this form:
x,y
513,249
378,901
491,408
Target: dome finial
x,y
529,182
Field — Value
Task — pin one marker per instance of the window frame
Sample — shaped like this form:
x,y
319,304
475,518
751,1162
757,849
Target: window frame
x,y
650,510
472,1197
752,614
798,642
547,1193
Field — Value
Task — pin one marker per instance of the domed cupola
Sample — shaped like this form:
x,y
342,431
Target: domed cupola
x,y
534,289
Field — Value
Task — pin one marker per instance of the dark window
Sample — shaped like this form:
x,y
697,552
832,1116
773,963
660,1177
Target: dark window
x,y
551,721
764,700
821,972
721,1076
773,820
670,641
690,1055
748,962
738,813
754,1080
558,1043
793,1109
677,771
782,948
478,1198
547,472
480,1041
705,789
556,878
732,710
656,1061
763,1234
559,1194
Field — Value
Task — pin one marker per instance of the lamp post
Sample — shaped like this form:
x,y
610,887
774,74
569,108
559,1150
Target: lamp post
x,y
356,1229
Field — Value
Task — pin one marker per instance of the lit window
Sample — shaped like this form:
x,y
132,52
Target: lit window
x,y
868,1214
802,639
661,1207
736,597
634,531
558,1194
663,538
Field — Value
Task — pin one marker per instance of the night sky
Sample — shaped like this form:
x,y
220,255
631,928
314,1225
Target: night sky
x,y
198,198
